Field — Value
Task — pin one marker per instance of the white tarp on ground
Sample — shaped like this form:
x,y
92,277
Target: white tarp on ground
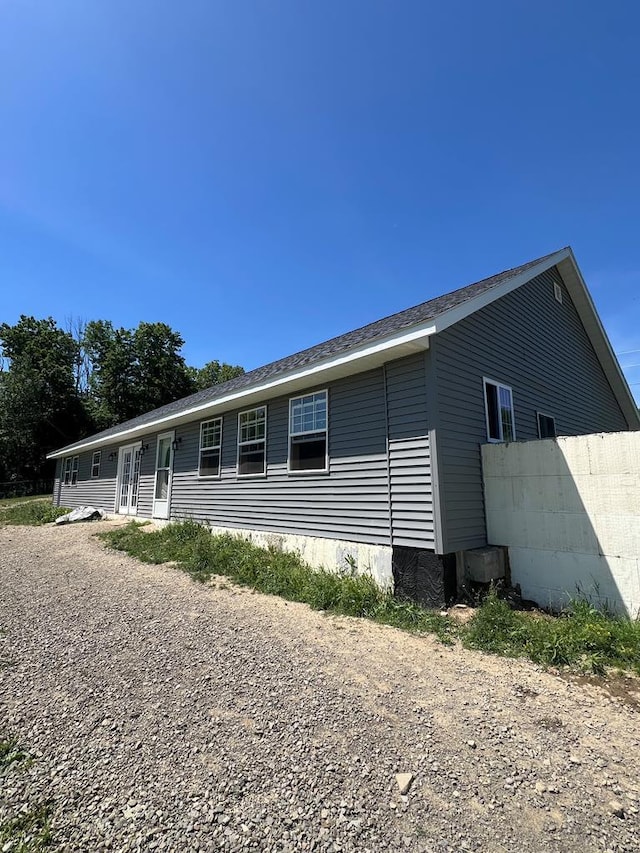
x,y
81,513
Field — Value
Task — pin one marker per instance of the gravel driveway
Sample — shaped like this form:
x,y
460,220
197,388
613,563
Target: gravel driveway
x,y
167,715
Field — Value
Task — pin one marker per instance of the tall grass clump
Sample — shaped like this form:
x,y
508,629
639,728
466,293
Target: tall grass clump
x,y
275,572
582,636
31,513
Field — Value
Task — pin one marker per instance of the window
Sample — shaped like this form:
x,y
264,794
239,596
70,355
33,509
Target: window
x,y
252,434
308,432
210,444
546,426
74,471
498,400
70,471
95,464
557,292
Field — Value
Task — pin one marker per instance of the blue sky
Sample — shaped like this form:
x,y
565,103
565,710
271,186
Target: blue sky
x,y
263,175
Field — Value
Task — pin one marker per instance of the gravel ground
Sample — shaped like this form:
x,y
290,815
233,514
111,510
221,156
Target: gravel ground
x,y
166,715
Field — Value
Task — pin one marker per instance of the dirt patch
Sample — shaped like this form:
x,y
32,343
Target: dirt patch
x,y
167,715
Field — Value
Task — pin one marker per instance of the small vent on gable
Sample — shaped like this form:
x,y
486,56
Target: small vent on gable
x,y
557,292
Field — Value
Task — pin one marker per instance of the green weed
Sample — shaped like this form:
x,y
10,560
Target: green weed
x,y
11,753
275,572
27,832
32,513
583,637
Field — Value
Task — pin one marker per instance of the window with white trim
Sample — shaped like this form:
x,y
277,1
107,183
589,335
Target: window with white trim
x,y
308,432
252,439
74,470
546,426
70,471
498,401
210,448
95,464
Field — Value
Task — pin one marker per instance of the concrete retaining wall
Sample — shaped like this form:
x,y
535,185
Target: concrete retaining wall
x,y
569,511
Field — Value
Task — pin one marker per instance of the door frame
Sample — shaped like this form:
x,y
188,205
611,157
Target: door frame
x,y
134,447
165,511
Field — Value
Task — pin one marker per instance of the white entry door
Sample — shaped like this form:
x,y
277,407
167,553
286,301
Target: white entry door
x,y
129,479
164,471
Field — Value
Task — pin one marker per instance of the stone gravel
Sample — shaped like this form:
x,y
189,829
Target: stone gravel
x,y
164,715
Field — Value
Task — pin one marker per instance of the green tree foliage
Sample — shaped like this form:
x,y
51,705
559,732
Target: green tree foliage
x,y
133,370
214,373
57,386
39,405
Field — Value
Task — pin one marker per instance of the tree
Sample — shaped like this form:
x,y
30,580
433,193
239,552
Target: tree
x,y
133,371
39,406
214,373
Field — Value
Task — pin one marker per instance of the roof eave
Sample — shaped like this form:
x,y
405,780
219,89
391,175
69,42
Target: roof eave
x,y
356,360
572,277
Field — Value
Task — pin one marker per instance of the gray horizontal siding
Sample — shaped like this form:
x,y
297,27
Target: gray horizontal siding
x,y
377,489
350,502
538,347
147,477
410,487
99,492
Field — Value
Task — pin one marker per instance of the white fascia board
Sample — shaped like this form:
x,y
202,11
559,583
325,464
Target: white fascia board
x,y
355,360
454,315
575,284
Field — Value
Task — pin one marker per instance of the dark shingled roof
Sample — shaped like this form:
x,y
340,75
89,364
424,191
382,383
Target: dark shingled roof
x,y
366,334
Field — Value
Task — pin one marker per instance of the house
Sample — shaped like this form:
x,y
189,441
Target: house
x,y
367,447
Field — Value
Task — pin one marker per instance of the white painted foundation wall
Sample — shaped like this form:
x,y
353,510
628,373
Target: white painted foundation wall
x,y
569,511
334,555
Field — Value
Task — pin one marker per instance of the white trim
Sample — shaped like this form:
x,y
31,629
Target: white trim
x,y
297,472
454,315
131,509
577,288
171,435
557,292
240,444
95,453
498,385
415,339
217,447
404,342
75,469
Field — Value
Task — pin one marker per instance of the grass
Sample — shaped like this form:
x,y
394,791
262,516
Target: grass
x,y
27,832
275,572
32,512
582,638
11,753
21,500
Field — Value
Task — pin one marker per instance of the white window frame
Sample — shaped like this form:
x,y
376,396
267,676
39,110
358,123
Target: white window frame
x,y
71,466
217,447
96,459
498,386
66,471
551,418
246,442
293,434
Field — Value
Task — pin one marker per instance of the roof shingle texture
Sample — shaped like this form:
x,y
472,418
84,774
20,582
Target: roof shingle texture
x,y
366,334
